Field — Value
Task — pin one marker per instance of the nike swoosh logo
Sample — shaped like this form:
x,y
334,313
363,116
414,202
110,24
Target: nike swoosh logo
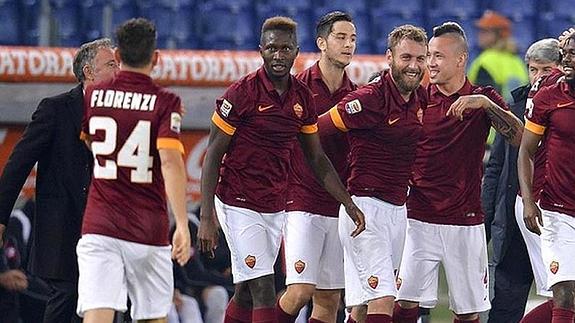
x,y
390,122
433,105
267,107
562,105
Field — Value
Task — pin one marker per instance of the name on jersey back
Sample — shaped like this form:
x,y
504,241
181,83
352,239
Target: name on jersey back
x,y
123,100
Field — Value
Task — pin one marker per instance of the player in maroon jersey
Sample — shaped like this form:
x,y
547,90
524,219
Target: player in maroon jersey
x,y
313,252
256,123
552,116
445,217
133,128
383,127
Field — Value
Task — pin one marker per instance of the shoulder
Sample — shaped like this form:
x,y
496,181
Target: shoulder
x,y
487,90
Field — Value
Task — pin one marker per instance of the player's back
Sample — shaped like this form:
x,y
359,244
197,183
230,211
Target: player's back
x,y
127,120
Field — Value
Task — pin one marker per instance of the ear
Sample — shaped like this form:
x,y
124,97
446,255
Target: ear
x,y
462,60
261,50
155,57
87,70
117,57
297,51
321,43
389,55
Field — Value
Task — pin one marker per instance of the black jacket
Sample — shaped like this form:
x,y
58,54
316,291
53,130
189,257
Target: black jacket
x,y
501,184
64,169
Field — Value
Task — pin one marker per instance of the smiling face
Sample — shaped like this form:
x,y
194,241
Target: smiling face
x,y
339,46
278,49
446,59
568,62
407,64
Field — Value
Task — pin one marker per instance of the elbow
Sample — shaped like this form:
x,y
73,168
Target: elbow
x,y
515,141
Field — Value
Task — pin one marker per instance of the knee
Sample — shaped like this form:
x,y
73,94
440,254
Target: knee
x,y
263,291
300,293
407,304
467,317
328,300
564,295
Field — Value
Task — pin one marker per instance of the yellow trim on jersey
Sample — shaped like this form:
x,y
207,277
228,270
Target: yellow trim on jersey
x,y
336,119
535,128
222,124
309,129
170,143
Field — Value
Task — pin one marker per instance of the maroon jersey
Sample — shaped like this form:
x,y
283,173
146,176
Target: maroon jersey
x,y
540,155
383,134
553,114
305,193
128,119
446,182
264,126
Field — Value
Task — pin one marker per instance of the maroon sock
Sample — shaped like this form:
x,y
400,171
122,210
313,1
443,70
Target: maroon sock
x,y
350,319
378,318
264,315
282,316
540,314
236,314
563,315
455,320
312,320
404,315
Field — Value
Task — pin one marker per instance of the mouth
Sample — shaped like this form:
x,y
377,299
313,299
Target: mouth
x,y
568,69
278,68
413,75
433,73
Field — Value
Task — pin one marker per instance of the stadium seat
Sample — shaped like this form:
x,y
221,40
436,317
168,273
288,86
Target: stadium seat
x,y
67,16
398,7
122,10
553,26
30,16
524,34
227,26
9,23
303,17
516,9
559,8
463,9
384,23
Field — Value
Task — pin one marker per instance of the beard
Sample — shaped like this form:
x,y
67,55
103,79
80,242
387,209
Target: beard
x,y
405,83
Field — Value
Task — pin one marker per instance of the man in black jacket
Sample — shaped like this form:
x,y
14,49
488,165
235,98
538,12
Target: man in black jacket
x,y
52,139
513,276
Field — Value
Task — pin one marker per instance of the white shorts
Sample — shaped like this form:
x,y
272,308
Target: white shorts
x,y
254,239
462,251
112,269
558,246
313,252
372,258
533,244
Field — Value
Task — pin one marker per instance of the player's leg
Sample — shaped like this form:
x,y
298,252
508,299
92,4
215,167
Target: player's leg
x,y
358,314
330,281
558,248
419,273
100,260
239,309
466,271
303,244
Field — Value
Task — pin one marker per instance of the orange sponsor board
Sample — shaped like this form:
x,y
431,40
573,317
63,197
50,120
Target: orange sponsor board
x,y
194,68
195,143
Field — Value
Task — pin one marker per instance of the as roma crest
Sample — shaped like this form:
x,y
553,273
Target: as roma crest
x,y
398,282
299,266
373,281
554,267
298,110
250,261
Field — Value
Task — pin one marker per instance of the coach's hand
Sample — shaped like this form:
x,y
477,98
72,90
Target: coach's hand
x,y
532,217
357,217
208,232
181,245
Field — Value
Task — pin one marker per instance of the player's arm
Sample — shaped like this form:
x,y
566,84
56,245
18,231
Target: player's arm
x,y
330,123
328,177
217,147
531,212
504,122
491,181
175,178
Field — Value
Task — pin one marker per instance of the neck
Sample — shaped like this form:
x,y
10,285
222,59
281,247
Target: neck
x,y
453,85
280,84
331,74
404,94
147,70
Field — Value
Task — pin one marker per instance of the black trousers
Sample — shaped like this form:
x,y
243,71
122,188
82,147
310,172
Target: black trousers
x,y
513,279
62,302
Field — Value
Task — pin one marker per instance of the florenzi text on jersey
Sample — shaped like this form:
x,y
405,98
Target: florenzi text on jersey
x,y
123,100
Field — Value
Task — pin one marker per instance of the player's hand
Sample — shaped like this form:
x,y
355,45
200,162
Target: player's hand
x,y
13,280
2,228
468,102
181,245
357,217
532,217
208,233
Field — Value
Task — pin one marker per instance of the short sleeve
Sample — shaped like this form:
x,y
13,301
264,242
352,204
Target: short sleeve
x,y
494,96
537,118
170,124
228,113
361,109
